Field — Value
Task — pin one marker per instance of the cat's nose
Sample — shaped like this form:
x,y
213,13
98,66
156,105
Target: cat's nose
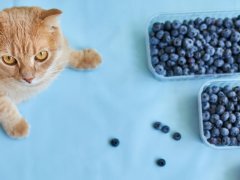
x,y
29,80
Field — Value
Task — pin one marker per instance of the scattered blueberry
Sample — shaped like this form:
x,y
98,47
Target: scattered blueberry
x,y
114,142
161,162
177,136
165,129
157,125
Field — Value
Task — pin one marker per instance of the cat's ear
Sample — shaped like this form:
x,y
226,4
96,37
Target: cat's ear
x,y
49,17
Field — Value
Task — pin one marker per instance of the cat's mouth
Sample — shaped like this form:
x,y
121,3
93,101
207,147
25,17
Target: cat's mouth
x,y
29,83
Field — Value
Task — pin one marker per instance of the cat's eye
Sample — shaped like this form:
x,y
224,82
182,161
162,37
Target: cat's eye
x,y
41,56
9,60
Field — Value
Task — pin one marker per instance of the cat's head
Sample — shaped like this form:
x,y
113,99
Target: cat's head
x,y
30,42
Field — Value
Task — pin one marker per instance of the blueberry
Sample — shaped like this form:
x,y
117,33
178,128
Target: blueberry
x,y
181,61
205,106
221,43
218,62
231,94
218,123
173,57
174,33
226,33
219,51
212,28
224,131
226,67
215,132
202,70
237,123
226,141
237,108
213,98
160,70
188,43
167,25
207,134
178,70
233,141
177,42
219,22
154,41
237,23
235,37
230,60
166,38
236,49
176,24
210,50
220,109
208,20
157,26
170,49
203,27
156,125
171,63
237,114
228,23
213,109
165,129
162,44
206,116
207,125
160,34
154,60
227,125
206,57
205,97
225,116
213,141
223,100
164,57
227,89
215,89
177,136
234,131
198,21
183,29
181,52
192,32
230,106
186,71
214,118
154,51
114,142
221,94
228,44
161,162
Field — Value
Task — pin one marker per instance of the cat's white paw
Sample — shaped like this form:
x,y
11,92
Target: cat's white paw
x,y
19,130
86,59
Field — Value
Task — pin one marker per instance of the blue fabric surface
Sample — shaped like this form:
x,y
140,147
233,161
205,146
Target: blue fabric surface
x,y
73,119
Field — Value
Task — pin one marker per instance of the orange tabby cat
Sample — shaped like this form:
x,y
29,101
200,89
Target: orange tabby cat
x,y
33,51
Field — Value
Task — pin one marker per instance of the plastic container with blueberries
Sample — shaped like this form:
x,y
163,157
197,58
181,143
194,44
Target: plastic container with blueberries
x,y
219,83
185,16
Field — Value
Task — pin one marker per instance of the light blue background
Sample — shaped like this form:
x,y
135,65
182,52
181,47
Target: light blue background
x,y
72,121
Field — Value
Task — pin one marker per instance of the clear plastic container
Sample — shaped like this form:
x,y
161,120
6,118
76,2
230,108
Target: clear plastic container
x,y
182,16
219,83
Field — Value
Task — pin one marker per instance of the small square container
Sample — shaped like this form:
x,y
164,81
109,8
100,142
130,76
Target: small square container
x,y
219,83
182,16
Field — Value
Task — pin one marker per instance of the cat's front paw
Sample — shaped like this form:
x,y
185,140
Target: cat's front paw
x,y
19,130
86,59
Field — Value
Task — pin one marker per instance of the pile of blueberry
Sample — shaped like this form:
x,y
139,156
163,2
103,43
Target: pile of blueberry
x,y
196,47
221,115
